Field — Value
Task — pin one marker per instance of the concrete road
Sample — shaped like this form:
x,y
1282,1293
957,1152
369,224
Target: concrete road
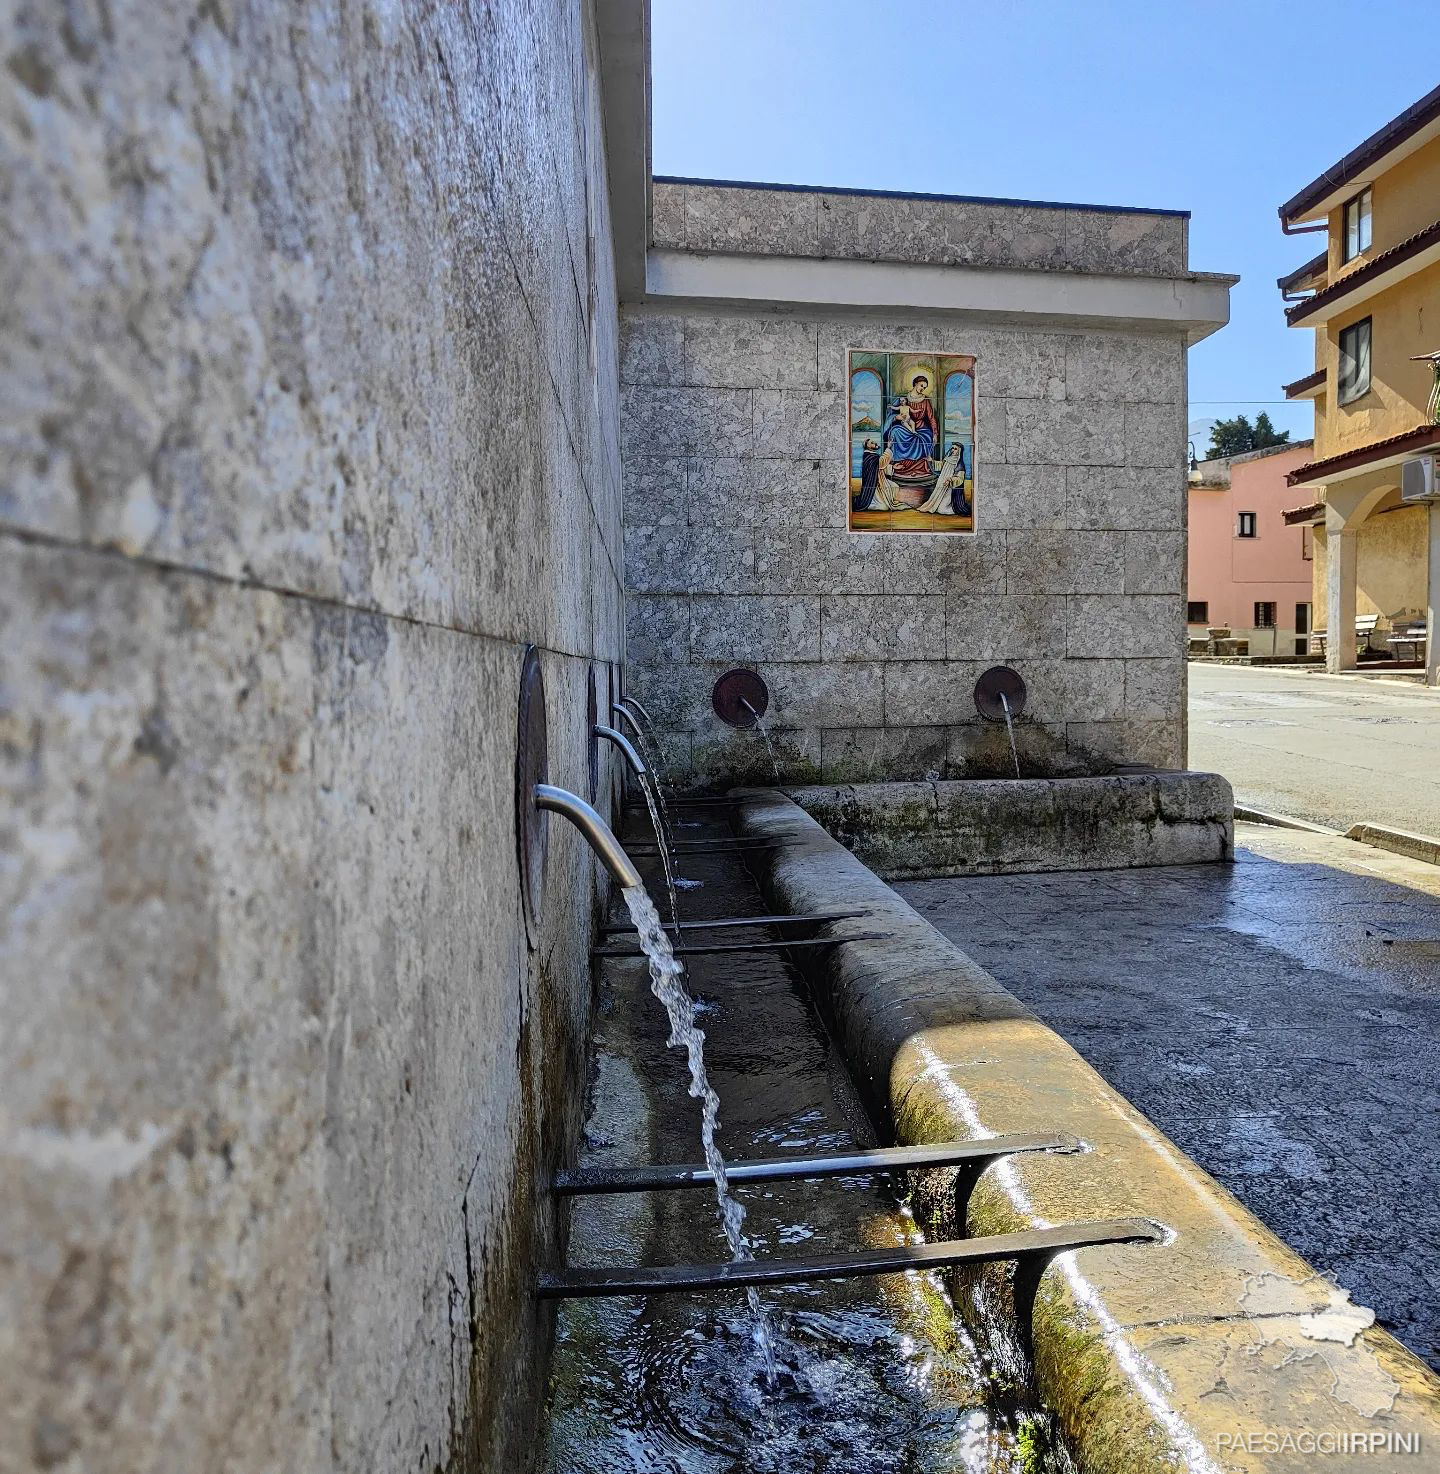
x,y
1332,749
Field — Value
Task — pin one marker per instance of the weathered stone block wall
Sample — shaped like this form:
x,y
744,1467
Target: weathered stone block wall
x,y
737,551
309,365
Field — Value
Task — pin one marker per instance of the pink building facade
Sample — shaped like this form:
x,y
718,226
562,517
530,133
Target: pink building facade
x,y
1247,570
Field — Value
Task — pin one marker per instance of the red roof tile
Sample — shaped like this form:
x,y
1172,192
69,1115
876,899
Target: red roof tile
x,y
1300,386
1411,246
1420,438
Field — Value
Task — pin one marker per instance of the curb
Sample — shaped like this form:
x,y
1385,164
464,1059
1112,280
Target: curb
x,y
1280,821
1398,841
1423,847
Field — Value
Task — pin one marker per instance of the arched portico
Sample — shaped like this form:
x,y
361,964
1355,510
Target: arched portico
x,y
1349,507
1346,508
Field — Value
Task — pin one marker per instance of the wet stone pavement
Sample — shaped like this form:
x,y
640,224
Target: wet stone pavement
x,y
1278,1018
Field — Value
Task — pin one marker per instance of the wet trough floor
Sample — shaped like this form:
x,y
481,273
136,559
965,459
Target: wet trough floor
x,y
874,1374
1278,1018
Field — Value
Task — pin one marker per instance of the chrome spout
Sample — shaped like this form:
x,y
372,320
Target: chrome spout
x,y
627,748
631,720
639,707
597,832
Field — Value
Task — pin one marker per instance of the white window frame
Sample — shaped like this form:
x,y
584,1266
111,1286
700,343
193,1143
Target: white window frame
x,y
1356,226
1357,383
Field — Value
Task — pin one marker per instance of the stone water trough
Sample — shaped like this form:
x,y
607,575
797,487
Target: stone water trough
x,y
985,826
1129,816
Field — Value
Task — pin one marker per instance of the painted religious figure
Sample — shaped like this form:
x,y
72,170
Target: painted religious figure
x,y
911,442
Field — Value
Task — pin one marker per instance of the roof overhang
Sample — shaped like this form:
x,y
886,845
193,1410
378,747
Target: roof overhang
x,y
1306,516
1305,277
1420,251
1312,386
1364,459
1400,137
1196,305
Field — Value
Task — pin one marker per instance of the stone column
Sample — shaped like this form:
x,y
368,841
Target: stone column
x,y
1432,600
1340,568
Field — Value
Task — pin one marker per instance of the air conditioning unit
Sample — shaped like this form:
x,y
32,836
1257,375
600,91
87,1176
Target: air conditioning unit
x,y
1420,479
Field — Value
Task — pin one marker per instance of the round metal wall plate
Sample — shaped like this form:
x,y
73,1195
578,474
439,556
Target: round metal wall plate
x,y
740,697
532,766
998,681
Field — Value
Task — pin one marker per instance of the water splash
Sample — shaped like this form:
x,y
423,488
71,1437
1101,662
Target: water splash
x,y
765,733
667,984
1010,728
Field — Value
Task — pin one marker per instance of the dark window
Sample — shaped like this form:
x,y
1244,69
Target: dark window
x,y
1197,611
1354,360
1307,544
1245,525
1264,616
1357,226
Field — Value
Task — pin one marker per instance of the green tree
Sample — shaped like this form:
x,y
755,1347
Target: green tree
x,y
1235,437
1266,434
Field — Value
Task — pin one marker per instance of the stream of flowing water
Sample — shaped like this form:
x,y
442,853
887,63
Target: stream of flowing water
x,y
649,782
667,984
649,744
769,745
1010,728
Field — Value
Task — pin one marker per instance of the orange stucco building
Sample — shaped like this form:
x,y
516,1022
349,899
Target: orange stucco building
x,y
1372,299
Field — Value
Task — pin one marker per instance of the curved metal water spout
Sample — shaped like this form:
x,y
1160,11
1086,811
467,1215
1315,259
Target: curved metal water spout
x,y
637,764
639,706
597,832
631,720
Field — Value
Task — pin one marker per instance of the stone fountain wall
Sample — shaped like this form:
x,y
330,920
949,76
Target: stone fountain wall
x,y
309,359
737,552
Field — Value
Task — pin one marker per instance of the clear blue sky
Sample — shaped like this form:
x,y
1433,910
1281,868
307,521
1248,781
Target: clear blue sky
x,y
1222,109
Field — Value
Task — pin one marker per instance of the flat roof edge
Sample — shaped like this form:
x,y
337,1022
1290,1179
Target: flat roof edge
x,y
902,194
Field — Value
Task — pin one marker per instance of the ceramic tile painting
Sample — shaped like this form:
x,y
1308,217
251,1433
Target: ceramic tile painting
x,y
911,442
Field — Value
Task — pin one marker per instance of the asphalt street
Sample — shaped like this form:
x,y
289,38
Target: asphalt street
x,y
1332,749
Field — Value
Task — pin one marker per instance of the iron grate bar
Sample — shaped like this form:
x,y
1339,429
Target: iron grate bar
x,y
712,847
672,799
1029,1245
834,1164
710,948
618,928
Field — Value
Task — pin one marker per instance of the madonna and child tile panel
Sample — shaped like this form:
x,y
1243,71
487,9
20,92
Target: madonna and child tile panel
x,y
912,442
